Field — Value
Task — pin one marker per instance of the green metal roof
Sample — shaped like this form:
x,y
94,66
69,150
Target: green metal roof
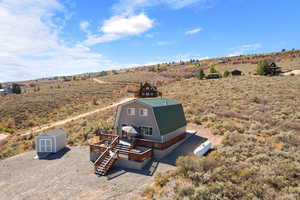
x,y
158,102
169,114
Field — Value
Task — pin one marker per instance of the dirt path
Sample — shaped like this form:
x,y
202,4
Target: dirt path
x,y
58,123
99,81
206,133
3,139
294,72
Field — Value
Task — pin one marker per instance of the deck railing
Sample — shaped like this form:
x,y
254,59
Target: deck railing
x,y
97,148
115,142
105,136
158,145
140,157
101,158
111,162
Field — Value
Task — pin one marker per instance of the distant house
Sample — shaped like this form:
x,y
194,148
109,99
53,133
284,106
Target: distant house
x,y
147,91
5,91
236,72
51,141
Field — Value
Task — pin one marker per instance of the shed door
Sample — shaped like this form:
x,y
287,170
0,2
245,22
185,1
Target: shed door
x,y
45,145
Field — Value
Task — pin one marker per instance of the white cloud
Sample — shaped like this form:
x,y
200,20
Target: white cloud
x,y
193,31
31,46
119,27
84,26
129,21
127,25
131,6
244,49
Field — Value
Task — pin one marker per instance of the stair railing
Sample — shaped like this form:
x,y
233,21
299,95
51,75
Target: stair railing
x,y
111,162
101,158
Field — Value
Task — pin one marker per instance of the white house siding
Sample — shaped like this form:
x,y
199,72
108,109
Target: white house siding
x,y
137,120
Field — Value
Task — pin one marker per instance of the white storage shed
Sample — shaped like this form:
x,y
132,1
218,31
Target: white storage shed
x,y
51,141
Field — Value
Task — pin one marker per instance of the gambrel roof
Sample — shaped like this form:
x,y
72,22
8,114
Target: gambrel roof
x,y
169,114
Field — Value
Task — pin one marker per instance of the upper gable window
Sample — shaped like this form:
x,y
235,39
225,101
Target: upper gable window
x,y
131,111
143,112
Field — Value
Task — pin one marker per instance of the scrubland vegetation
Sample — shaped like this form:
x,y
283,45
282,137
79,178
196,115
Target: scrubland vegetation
x,y
258,116
52,102
260,155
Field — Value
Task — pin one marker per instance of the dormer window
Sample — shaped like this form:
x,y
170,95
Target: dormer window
x,y
131,111
143,112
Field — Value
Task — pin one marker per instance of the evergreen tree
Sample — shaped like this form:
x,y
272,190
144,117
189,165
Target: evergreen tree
x,y
226,73
212,70
16,88
0,86
201,74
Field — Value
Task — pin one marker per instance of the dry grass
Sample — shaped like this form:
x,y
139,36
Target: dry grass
x,y
259,156
52,103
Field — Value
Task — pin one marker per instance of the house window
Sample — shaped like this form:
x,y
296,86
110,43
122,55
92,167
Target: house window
x,y
146,130
143,112
131,111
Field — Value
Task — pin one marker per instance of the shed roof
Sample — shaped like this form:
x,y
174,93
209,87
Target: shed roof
x,y
169,114
54,132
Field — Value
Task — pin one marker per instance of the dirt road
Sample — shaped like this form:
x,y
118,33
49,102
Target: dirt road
x,y
58,123
99,81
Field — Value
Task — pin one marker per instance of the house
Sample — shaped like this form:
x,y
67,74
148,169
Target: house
x,y
147,91
157,119
236,72
145,128
50,142
5,91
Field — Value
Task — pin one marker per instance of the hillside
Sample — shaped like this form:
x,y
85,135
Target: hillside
x,y
258,116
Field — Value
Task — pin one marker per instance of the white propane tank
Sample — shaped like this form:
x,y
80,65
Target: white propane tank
x,y
203,148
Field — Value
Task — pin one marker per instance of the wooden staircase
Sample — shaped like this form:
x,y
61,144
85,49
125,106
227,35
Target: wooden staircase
x,y
108,157
105,161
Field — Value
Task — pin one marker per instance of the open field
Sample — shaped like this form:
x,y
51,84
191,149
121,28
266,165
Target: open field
x,y
51,103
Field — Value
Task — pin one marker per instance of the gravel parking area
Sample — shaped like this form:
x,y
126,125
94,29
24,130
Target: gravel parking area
x,y
70,175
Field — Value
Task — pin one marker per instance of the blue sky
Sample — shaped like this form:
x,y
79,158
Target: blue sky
x,y
41,38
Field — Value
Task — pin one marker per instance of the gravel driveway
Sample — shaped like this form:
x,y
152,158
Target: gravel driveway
x,y
70,175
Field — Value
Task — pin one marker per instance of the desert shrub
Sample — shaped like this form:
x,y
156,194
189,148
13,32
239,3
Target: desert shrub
x,y
226,73
161,179
94,101
148,192
184,190
212,70
232,139
200,74
262,68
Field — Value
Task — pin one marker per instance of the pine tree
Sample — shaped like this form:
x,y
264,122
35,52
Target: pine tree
x,y
16,88
201,74
226,73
